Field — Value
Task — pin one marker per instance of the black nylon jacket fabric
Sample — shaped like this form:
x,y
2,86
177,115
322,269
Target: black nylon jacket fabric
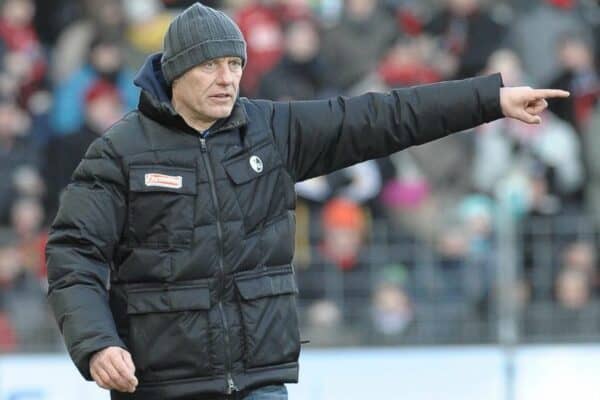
x,y
180,249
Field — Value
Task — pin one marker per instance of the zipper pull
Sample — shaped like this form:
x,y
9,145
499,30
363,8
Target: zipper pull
x,y
231,387
203,144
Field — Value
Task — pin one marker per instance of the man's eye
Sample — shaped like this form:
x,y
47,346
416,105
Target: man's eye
x,y
236,63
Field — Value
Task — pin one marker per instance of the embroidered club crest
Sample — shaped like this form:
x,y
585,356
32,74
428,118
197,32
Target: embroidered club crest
x,y
256,164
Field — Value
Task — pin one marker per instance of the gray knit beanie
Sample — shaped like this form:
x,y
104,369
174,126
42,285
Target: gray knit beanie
x,y
198,34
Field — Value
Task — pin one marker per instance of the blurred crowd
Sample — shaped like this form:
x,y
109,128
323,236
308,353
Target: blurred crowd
x,y
382,242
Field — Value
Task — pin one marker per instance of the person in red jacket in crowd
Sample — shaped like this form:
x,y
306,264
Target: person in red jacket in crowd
x,y
24,57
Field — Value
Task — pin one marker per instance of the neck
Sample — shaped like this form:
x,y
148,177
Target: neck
x,y
190,117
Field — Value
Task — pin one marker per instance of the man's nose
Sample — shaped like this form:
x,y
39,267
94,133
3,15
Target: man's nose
x,y
225,76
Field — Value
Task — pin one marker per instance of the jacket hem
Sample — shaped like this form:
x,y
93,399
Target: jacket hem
x,y
186,388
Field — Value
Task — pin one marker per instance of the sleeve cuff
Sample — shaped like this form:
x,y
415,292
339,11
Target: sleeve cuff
x,y
488,91
82,360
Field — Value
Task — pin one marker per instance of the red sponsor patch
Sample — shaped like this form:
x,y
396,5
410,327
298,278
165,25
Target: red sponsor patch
x,y
168,181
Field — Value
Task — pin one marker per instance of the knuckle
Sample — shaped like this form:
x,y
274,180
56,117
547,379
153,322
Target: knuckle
x,y
103,366
101,384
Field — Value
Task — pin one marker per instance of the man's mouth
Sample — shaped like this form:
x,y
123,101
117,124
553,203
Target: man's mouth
x,y
221,96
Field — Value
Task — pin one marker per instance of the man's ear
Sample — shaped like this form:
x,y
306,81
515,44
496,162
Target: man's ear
x,y
176,82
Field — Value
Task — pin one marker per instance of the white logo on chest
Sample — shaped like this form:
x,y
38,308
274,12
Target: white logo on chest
x,y
256,164
168,181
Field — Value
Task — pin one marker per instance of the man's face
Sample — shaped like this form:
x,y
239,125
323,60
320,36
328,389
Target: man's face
x,y
209,90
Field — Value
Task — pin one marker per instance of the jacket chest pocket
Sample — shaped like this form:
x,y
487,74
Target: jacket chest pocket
x,y
161,206
258,182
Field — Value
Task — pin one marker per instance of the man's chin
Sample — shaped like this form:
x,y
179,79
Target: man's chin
x,y
223,111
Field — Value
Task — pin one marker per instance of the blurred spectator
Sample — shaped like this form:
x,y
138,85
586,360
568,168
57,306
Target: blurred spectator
x,y
406,64
476,214
24,317
18,157
344,228
260,22
27,217
339,268
355,46
452,251
324,325
591,149
508,63
409,201
106,63
575,314
148,22
392,309
359,183
301,74
467,31
534,36
24,59
578,75
428,181
51,17
549,150
526,164
72,46
410,15
582,256
103,107
8,262
573,290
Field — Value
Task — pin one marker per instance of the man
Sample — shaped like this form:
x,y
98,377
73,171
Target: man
x,y
170,258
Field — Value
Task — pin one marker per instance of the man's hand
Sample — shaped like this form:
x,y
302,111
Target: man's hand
x,y
113,368
526,104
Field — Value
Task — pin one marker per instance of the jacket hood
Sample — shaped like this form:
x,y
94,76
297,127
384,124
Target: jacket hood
x,y
155,98
150,79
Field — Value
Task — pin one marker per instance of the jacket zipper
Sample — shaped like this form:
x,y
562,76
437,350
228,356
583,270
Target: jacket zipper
x,y
231,386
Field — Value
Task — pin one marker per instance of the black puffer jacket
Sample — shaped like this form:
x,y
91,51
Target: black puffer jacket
x,y
179,248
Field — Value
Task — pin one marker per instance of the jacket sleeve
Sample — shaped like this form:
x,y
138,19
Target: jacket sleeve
x,y
79,252
318,137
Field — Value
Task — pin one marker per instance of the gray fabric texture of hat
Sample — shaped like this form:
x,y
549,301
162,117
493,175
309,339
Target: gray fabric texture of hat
x,y
196,35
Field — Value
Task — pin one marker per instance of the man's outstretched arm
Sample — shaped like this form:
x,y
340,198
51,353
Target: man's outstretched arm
x,y
318,137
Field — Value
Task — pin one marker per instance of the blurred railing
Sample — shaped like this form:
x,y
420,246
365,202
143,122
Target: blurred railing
x,y
538,274
403,290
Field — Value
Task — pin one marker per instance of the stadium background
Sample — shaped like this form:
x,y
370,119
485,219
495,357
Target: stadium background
x,y
487,238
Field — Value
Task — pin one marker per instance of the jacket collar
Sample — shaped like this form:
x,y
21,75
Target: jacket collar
x,y
155,100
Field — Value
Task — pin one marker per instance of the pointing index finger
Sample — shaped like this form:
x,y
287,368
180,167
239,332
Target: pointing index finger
x,y
550,93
